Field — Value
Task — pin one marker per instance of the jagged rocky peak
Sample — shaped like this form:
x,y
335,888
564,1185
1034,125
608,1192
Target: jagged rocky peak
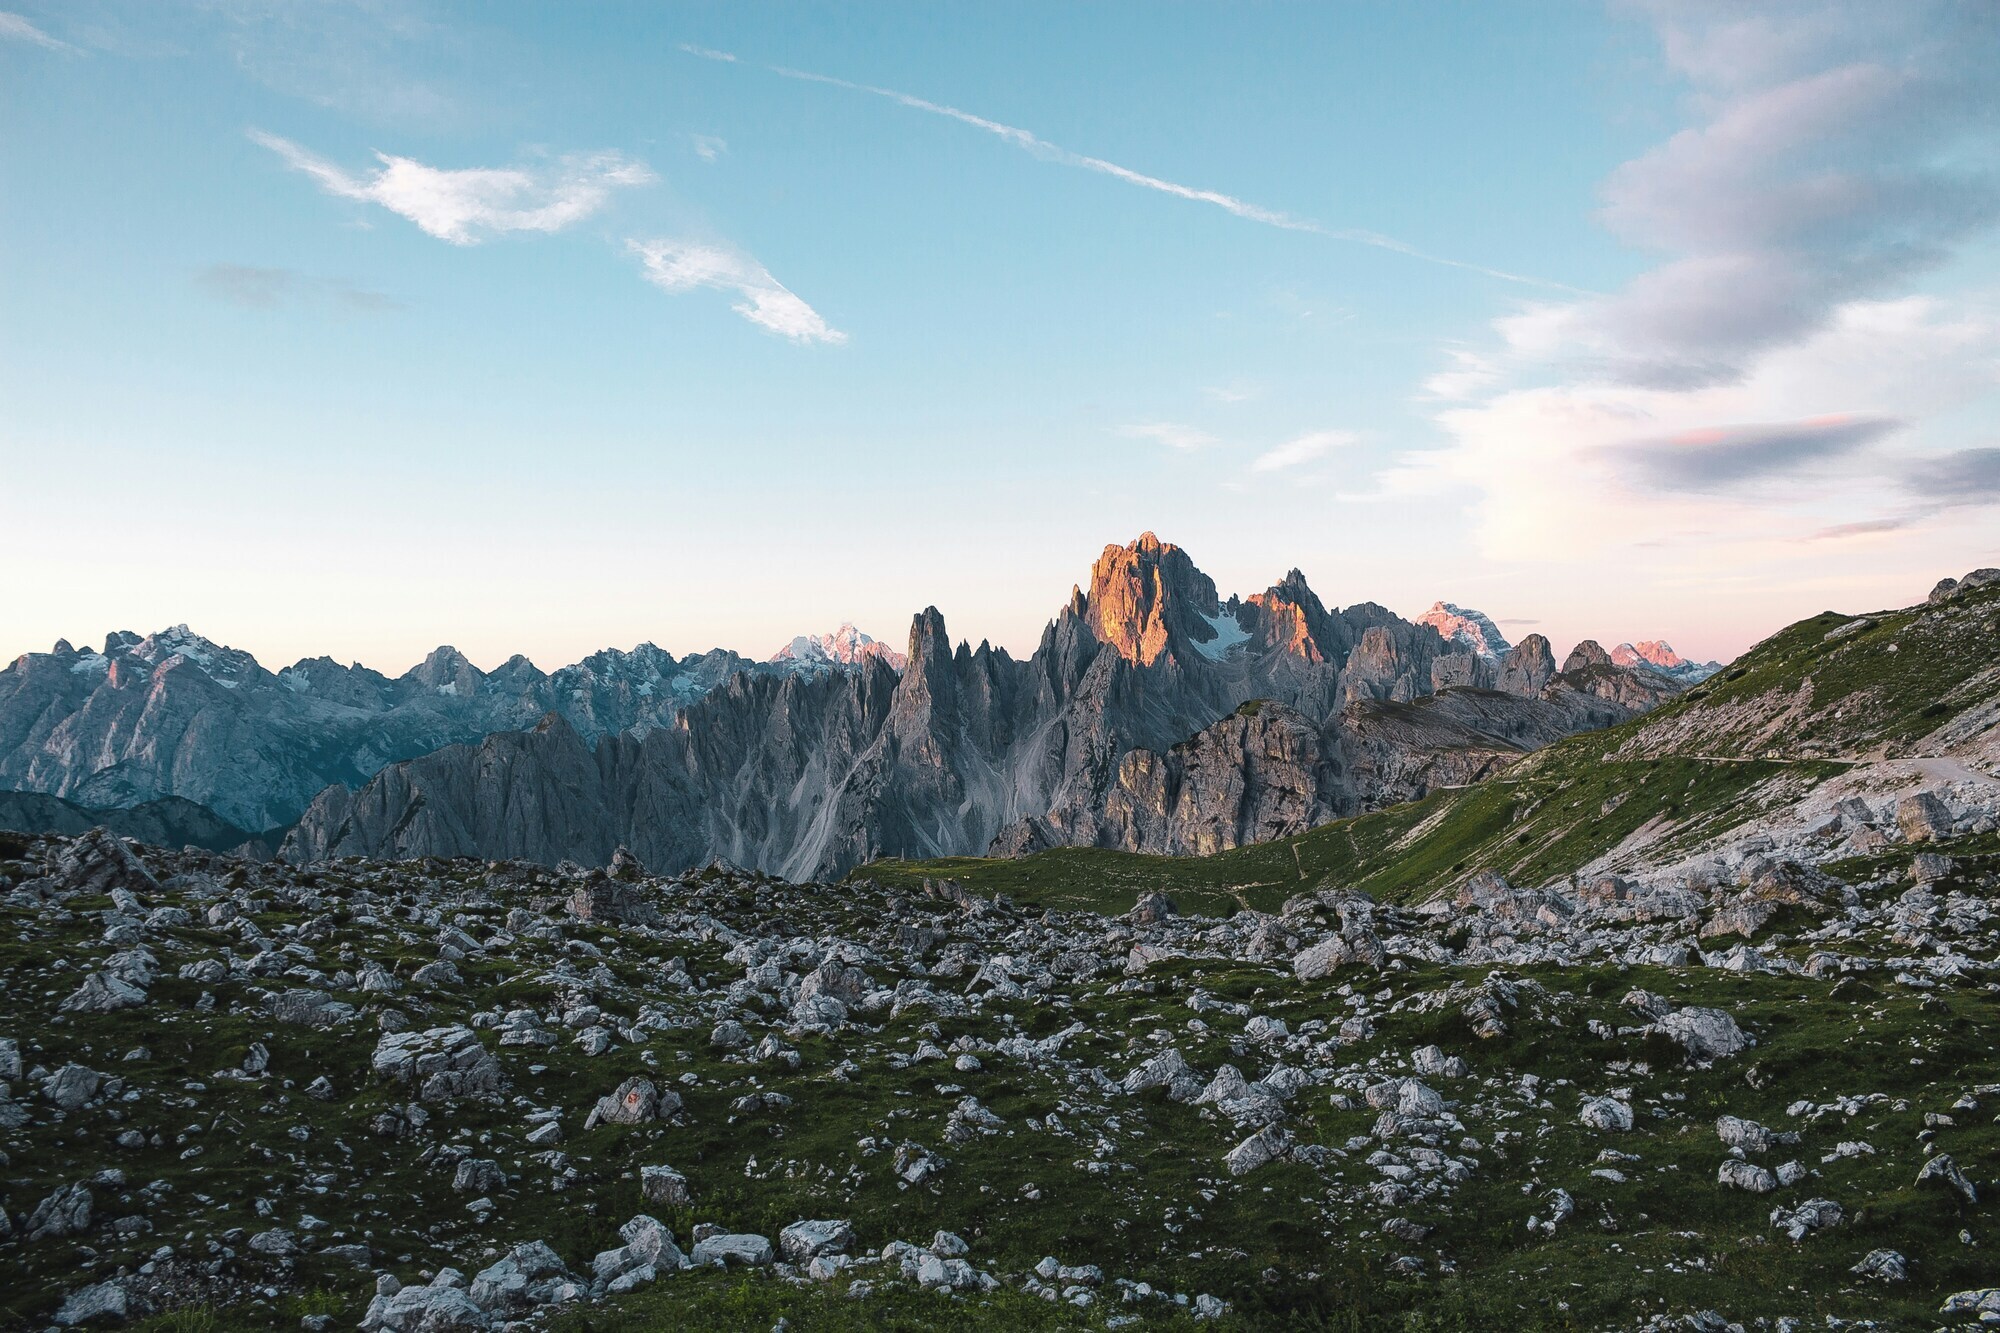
x,y
646,664
1528,666
1148,598
1289,616
446,671
930,642
1589,653
226,666
843,648
516,673
1466,628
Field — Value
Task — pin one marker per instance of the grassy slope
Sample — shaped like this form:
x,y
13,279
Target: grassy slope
x,y
1705,762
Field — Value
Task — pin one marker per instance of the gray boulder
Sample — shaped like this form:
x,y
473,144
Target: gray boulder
x,y
1741,1175
65,1212
729,1250
1707,1035
802,1242
1169,1069
72,1086
636,1101
1748,1135
1322,960
1606,1113
99,1303
103,993
1810,1216
1923,818
664,1186
1883,1266
277,1243
1946,1172
445,1063
1266,1145
99,862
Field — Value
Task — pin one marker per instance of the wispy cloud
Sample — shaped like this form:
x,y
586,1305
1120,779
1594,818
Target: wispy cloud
x,y
708,147
1056,153
1969,476
1303,449
1172,434
255,288
684,266
1836,149
459,205
1236,391
1470,374
1863,528
1720,457
16,28
1831,154
1961,479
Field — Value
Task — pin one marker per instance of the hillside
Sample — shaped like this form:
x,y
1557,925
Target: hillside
x,y
457,1095
1872,705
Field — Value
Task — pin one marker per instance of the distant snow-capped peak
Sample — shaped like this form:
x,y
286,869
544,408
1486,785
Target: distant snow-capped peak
x,y
225,666
1660,656
1472,629
845,647
1653,652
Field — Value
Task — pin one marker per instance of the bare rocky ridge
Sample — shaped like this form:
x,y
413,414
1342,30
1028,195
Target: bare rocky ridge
x,y
1101,738
167,822
173,714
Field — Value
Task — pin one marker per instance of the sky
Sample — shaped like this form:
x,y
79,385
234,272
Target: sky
x,y
353,327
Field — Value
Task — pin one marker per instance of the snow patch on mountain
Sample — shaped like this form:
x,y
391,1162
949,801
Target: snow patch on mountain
x,y
1229,632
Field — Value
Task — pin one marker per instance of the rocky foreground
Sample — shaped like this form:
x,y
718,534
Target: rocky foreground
x,y
461,1094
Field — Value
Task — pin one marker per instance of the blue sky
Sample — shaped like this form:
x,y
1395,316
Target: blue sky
x,y
713,353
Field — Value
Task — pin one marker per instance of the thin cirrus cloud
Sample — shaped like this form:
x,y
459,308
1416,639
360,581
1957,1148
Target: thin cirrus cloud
x,y
16,28
461,206
683,266
1303,449
1170,433
1041,148
255,288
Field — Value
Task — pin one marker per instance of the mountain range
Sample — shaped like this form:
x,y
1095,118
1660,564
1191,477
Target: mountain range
x,y
1153,716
